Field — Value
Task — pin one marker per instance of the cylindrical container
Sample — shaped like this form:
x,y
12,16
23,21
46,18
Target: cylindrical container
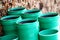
x,y
49,21
50,34
8,23
8,37
33,14
16,11
28,29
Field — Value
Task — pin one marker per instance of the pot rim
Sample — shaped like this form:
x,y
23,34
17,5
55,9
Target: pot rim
x,y
12,9
32,11
49,13
4,17
18,21
40,33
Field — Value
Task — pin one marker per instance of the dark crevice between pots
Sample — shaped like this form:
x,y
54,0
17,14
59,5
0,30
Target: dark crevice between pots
x,y
27,21
2,34
50,15
10,18
1,30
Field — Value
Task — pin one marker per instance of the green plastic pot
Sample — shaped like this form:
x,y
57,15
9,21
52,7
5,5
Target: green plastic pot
x,y
28,29
16,11
8,23
33,14
50,34
49,21
8,37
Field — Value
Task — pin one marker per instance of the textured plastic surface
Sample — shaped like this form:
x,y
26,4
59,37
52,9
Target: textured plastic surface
x,y
16,11
50,34
8,37
28,29
49,21
8,23
33,13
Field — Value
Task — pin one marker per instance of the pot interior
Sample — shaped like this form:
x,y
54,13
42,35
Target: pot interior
x,y
28,21
10,18
48,32
17,9
50,15
32,11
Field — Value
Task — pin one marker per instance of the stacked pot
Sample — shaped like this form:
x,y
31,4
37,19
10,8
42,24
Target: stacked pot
x,y
31,24
49,23
8,22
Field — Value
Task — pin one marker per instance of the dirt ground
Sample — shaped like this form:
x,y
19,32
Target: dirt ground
x,y
44,5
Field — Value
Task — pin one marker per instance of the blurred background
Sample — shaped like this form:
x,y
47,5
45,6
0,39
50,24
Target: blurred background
x,y
44,5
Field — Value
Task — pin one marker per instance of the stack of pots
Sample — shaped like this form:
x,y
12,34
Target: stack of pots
x,y
49,20
28,29
30,24
8,23
49,23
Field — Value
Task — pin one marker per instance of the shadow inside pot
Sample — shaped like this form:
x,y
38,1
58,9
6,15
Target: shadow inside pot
x,y
32,11
28,21
10,18
17,9
50,15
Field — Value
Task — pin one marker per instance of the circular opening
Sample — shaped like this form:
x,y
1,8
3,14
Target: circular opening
x,y
10,18
27,21
17,9
50,15
48,32
32,11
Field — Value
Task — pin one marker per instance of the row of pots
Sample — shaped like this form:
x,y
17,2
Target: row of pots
x,y
28,24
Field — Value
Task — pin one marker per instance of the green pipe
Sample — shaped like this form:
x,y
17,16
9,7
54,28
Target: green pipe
x,y
28,29
8,37
16,11
49,21
50,34
33,14
8,23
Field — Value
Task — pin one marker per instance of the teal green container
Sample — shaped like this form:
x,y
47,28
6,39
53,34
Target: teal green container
x,y
8,23
8,37
16,11
50,34
33,14
49,20
28,29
